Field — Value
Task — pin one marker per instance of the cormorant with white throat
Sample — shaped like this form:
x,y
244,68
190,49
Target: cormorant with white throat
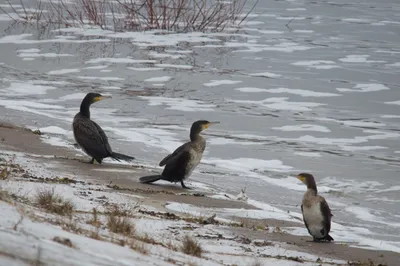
x,y
316,212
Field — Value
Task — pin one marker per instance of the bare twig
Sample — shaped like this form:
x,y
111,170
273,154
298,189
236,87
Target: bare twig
x,y
134,15
8,14
290,21
15,227
248,13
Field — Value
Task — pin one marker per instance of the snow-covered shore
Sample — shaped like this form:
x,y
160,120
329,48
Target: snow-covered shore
x,y
230,230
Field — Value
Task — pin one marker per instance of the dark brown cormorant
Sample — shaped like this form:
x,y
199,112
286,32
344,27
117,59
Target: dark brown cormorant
x,y
89,135
316,212
180,164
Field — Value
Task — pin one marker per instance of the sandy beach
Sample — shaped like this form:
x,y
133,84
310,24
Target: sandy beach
x,y
207,215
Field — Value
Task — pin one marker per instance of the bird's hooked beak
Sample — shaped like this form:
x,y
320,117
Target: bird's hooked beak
x,y
99,98
210,123
301,178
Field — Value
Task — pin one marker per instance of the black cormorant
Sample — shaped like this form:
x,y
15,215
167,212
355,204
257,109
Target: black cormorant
x,y
316,212
180,164
89,135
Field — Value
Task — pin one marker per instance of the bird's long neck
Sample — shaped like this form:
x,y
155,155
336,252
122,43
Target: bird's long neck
x,y
198,142
309,196
312,187
194,135
85,108
312,192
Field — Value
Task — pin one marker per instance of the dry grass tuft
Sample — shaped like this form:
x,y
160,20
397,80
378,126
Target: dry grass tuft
x,y
171,246
47,199
4,195
95,219
147,239
96,223
116,210
369,262
4,173
140,247
95,235
70,225
6,167
277,230
120,224
254,224
191,247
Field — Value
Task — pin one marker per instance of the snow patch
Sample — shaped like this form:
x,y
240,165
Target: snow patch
x,y
359,59
365,88
317,64
214,83
159,79
266,75
63,71
53,130
180,104
281,103
303,127
119,61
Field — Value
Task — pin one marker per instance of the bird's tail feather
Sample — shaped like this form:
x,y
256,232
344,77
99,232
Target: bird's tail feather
x,y
150,178
329,238
120,156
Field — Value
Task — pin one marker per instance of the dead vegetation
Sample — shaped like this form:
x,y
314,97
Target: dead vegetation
x,y
262,243
118,222
133,15
171,246
277,230
4,195
254,224
280,257
202,219
191,247
138,246
368,262
127,235
6,167
147,239
48,200
95,219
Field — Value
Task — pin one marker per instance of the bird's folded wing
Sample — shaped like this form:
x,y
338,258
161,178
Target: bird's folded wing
x,y
171,157
89,138
326,213
103,137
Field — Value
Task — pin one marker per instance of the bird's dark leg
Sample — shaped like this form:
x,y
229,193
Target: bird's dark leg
x,y
91,161
184,186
